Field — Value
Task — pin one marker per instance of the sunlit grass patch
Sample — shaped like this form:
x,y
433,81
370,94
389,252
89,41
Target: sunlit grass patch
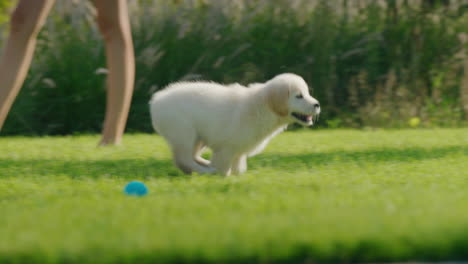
x,y
330,195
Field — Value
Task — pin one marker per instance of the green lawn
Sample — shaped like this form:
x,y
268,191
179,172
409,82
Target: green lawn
x,y
324,195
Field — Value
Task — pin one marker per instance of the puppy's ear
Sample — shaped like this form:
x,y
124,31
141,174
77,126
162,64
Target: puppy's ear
x,y
277,98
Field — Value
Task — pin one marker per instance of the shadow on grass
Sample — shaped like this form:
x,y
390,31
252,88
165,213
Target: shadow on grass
x,y
122,168
360,250
153,168
301,160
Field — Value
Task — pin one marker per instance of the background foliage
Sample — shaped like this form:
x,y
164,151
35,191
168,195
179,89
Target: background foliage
x,y
5,5
370,63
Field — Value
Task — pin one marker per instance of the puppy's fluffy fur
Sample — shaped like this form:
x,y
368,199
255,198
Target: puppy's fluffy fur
x,y
233,120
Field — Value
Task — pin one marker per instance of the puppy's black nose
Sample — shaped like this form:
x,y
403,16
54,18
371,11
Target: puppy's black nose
x,y
316,106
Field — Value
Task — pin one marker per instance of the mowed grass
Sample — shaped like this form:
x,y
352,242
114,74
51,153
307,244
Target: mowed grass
x,y
320,196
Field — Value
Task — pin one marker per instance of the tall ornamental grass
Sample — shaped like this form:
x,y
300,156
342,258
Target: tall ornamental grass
x,y
370,63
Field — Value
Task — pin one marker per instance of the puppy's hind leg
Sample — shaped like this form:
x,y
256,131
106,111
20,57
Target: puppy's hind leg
x,y
183,158
184,161
239,165
222,161
182,139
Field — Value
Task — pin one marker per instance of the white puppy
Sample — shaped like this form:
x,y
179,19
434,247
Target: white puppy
x,y
233,120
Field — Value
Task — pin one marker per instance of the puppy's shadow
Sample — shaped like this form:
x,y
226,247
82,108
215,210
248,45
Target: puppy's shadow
x,y
300,160
122,168
154,168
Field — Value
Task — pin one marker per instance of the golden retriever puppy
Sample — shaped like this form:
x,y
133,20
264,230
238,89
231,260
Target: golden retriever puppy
x,y
234,121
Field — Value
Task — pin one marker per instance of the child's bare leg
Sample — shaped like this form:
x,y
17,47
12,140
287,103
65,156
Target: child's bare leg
x,y
114,24
26,21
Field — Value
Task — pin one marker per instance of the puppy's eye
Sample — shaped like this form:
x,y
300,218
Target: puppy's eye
x,y
299,96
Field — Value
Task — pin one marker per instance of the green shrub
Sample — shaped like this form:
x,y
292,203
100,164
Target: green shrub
x,y
374,65
5,6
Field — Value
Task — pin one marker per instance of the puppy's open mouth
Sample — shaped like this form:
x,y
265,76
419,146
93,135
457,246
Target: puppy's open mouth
x,y
308,119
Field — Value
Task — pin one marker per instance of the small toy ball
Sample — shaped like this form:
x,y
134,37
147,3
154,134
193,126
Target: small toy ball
x,y
136,188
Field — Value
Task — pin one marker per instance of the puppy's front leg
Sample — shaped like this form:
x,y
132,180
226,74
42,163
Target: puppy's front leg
x,y
222,161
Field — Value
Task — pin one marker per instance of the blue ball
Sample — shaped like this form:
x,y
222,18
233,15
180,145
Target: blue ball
x,y
136,188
